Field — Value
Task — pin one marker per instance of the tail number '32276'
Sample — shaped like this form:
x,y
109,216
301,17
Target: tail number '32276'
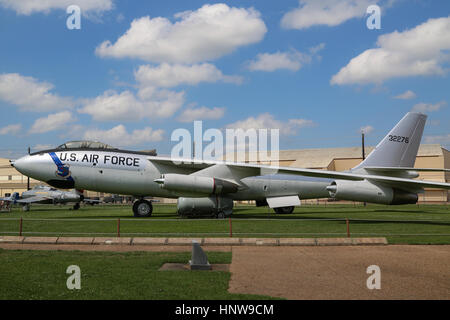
x,y
398,139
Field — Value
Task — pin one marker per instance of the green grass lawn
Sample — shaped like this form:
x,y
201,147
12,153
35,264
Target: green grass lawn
x,y
423,224
105,275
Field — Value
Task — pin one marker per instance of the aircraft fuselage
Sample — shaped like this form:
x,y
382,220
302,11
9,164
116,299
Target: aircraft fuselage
x,y
130,173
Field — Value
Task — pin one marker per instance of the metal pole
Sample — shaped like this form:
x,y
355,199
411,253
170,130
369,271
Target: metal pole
x,y
20,226
363,151
231,229
348,227
362,144
28,178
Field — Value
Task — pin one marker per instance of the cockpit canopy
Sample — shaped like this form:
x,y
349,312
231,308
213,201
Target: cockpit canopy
x,y
94,145
85,145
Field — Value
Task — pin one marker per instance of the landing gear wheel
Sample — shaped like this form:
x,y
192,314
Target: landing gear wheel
x,y
142,208
26,207
76,206
284,210
220,215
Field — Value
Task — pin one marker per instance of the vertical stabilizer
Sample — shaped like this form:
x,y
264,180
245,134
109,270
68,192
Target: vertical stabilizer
x,y
399,148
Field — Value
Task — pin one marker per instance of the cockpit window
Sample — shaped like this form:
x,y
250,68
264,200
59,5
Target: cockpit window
x,y
85,145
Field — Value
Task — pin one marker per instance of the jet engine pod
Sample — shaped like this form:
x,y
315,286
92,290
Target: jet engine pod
x,y
215,206
195,184
366,191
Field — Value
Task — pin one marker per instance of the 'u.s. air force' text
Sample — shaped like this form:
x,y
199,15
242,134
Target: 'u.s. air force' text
x,y
96,158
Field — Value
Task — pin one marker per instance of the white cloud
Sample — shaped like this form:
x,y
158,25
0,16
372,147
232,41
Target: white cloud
x,y
292,60
420,51
201,113
406,95
166,75
428,107
52,122
29,94
12,129
125,106
119,137
28,7
366,129
39,147
205,34
442,140
120,17
324,12
267,121
274,61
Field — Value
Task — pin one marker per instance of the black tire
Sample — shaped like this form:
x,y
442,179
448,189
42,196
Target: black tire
x,y
76,206
142,209
220,215
284,210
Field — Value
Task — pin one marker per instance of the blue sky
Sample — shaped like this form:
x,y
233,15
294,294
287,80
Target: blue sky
x,y
137,70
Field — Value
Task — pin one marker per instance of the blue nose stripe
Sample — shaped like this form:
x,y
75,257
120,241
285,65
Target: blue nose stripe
x,y
63,169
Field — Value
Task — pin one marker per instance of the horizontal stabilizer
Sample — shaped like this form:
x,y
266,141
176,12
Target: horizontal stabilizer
x,y
399,169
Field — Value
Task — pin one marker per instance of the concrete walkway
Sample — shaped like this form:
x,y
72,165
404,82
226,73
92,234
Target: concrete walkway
x,y
188,241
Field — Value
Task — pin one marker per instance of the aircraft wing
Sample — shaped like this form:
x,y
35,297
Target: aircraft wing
x,y
234,171
33,199
401,183
91,200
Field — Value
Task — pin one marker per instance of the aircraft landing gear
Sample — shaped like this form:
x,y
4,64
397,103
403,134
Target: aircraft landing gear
x,y
220,215
26,207
284,210
142,208
76,206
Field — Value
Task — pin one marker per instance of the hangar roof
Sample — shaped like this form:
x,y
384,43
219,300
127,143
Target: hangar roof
x,y
321,158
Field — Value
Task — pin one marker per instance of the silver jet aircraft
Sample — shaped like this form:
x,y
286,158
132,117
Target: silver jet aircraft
x,y
48,195
385,176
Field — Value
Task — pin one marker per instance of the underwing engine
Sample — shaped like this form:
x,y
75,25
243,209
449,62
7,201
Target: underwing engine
x,y
214,206
366,191
190,185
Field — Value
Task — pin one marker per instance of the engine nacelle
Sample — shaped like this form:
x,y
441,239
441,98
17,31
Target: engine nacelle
x,y
366,191
195,184
213,206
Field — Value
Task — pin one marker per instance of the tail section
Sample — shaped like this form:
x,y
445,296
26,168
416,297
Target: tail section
x,y
399,148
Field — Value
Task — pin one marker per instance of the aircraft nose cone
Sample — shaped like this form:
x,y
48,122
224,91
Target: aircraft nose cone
x,y
21,164
33,166
18,164
42,167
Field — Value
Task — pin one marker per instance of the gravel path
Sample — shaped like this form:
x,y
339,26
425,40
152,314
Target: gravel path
x,y
407,272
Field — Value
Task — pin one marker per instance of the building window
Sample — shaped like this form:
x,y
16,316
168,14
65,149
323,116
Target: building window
x,y
9,178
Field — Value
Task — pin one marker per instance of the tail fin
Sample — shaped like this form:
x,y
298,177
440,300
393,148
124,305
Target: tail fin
x,y
14,197
399,148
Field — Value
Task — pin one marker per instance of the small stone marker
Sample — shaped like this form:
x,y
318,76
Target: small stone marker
x,y
199,259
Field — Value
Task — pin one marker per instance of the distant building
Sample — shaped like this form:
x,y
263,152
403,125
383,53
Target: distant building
x,y
336,159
